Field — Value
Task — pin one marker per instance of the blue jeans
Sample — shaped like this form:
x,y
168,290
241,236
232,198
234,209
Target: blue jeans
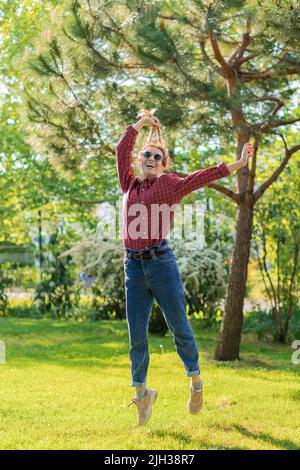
x,y
159,278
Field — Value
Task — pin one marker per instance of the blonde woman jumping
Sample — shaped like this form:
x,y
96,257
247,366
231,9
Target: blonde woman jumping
x,y
150,266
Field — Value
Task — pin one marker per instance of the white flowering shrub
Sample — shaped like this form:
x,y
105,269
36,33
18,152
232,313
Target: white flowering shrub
x,y
204,278
57,294
203,274
103,261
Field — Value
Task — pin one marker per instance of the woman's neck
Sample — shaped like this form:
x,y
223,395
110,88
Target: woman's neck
x,y
143,177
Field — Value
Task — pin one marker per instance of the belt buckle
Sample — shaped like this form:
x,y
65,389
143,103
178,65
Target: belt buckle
x,y
142,255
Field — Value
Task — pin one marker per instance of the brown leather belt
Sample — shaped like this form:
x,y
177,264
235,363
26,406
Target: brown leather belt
x,y
147,255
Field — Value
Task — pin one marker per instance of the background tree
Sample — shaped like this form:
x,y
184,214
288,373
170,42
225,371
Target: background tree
x,y
219,72
27,180
32,194
277,244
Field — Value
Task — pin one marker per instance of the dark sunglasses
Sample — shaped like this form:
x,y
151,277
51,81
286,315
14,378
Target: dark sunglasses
x,y
157,156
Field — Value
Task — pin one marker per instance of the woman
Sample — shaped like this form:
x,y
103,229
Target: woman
x,y
150,266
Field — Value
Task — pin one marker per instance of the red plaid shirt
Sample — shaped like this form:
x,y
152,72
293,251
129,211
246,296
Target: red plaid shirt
x,y
140,197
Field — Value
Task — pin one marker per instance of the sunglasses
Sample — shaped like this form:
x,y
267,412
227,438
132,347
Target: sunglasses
x,y
157,156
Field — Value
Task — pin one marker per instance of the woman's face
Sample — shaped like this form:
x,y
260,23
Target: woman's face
x,y
151,162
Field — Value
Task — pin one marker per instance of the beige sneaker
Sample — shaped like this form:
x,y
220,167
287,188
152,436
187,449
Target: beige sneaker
x,y
195,402
144,406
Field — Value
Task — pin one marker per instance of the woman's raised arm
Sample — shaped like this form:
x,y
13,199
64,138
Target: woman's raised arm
x,y
200,178
124,150
248,151
125,147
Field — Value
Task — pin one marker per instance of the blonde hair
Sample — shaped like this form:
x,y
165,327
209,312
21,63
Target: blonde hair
x,y
159,143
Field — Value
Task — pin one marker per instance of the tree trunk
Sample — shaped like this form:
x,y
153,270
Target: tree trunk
x,y
281,336
228,346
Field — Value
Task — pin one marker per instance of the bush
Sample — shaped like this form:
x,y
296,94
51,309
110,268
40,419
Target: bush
x,y
4,283
261,323
157,323
57,293
103,261
203,273
204,280
294,327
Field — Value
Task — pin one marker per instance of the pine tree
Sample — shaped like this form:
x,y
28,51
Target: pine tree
x,y
226,70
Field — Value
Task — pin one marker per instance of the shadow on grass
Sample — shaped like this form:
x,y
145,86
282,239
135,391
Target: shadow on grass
x,y
182,438
48,327
252,363
285,444
296,395
70,343
178,436
254,355
62,342
99,343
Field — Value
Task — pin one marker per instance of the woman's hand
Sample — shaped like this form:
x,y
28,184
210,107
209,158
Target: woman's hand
x,y
247,151
151,121
147,121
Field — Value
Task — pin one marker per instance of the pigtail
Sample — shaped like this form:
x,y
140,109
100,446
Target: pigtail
x,y
154,132
155,138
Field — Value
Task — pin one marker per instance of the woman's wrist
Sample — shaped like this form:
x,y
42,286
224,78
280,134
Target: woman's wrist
x,y
236,165
138,125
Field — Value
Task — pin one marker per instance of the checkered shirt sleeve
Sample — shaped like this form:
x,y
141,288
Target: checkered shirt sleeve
x,y
124,151
198,179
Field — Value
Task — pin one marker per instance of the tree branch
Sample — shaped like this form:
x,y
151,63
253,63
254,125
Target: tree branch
x,y
218,187
283,122
237,55
208,60
288,153
266,74
292,283
218,55
242,60
263,126
230,194
260,264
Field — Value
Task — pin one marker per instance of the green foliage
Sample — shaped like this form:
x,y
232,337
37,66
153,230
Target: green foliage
x,y
76,368
56,293
203,273
157,323
97,62
204,279
261,323
23,310
277,246
102,260
4,283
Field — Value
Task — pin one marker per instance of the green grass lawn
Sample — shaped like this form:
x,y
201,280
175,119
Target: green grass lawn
x,y
66,385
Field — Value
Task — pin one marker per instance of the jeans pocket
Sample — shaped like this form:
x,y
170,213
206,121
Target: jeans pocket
x,y
166,256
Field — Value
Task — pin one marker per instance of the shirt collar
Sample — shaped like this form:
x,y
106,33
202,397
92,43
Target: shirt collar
x,y
149,179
